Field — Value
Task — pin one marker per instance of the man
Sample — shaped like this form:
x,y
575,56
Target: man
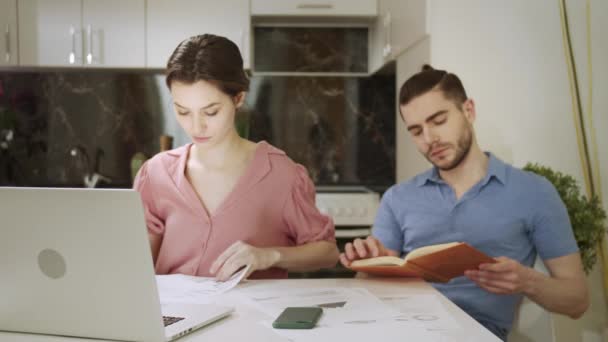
x,y
472,196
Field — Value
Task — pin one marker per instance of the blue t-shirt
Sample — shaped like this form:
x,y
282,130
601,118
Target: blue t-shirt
x,y
510,213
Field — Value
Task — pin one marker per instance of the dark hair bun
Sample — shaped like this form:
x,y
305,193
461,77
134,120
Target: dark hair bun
x,y
211,58
427,67
428,79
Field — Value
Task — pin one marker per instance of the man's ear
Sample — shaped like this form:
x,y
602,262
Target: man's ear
x,y
239,99
468,108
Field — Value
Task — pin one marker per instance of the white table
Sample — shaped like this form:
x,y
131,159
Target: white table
x,y
243,325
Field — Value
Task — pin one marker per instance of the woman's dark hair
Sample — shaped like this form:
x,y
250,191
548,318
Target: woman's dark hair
x,y
208,58
429,79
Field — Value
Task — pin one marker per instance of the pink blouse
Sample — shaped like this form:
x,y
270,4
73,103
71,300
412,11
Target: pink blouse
x,y
272,205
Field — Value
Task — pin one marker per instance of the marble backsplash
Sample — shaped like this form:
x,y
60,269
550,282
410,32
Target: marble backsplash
x,y
341,128
68,124
311,49
56,127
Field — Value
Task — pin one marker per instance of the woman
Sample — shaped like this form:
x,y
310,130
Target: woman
x,y
223,202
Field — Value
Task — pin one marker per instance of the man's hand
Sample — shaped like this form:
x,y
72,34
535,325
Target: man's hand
x,y
507,276
361,249
241,254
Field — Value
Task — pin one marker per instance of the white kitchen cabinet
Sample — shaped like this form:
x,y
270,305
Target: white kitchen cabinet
x,y
8,26
314,8
400,24
50,33
114,32
66,33
170,22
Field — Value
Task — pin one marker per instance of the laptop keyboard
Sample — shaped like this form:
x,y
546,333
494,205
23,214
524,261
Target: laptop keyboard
x,y
168,320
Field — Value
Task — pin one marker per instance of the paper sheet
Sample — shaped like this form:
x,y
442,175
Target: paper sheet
x,y
356,314
359,332
340,305
422,311
180,288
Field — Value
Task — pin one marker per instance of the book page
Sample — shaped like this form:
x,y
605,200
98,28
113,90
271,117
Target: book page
x,y
418,252
379,261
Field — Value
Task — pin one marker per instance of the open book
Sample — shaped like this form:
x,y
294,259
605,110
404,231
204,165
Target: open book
x,y
435,263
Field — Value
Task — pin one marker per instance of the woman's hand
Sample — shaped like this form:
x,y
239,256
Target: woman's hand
x,y
241,254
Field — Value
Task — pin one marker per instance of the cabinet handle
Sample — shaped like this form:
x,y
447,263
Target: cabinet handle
x,y
90,44
7,35
387,50
315,6
72,55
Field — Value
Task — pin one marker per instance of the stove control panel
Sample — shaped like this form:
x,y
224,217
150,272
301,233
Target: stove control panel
x,y
348,206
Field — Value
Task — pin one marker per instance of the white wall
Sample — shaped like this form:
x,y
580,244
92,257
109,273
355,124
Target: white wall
x,y
510,57
409,161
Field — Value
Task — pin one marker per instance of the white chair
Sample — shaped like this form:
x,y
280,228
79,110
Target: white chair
x,y
532,323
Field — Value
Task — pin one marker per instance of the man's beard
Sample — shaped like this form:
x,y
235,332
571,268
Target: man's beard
x,y
463,147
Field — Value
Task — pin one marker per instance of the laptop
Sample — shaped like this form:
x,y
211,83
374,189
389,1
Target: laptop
x,y
77,262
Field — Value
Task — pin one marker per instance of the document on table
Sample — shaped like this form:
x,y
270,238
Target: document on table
x,y
389,331
341,306
421,310
355,313
180,288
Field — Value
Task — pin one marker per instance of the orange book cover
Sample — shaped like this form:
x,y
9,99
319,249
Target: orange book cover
x,y
436,263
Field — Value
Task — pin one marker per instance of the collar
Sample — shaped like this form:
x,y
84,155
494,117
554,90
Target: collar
x,y
258,169
496,169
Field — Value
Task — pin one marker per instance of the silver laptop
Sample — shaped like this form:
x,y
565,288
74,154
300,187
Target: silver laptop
x,y
77,262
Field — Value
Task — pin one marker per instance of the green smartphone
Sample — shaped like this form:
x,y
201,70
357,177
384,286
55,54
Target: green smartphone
x,y
298,318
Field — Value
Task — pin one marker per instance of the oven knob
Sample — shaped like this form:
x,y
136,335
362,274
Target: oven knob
x,y
323,210
349,212
362,212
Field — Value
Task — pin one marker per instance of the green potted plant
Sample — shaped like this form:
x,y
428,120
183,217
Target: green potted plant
x,y
586,214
